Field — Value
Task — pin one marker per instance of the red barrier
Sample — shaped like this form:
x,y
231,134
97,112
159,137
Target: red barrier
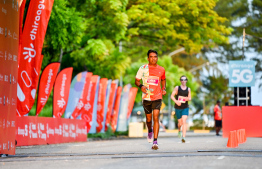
x,y
31,130
242,117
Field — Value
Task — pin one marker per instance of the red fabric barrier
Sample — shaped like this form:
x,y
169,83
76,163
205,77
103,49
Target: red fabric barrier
x,y
31,130
242,117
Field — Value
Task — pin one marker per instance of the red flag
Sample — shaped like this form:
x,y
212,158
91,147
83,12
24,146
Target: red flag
x,y
87,111
46,84
114,117
131,101
83,100
61,91
21,17
110,104
30,54
101,104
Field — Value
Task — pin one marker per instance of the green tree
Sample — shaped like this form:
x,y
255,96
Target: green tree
x,y
166,25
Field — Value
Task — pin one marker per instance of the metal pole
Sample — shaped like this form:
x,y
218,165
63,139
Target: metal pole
x,y
246,97
237,96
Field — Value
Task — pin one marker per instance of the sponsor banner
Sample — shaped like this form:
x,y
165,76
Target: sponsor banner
x,y
131,101
242,73
83,98
61,91
122,117
87,110
101,104
32,130
111,102
108,89
76,90
21,18
93,122
34,30
9,42
46,83
116,109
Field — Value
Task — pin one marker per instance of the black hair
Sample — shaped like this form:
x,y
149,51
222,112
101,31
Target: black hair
x,y
151,51
183,76
218,101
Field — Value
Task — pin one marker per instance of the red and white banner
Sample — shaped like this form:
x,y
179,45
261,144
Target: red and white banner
x,y
61,91
114,117
35,26
21,18
32,130
9,42
110,104
131,101
101,104
83,99
87,110
46,84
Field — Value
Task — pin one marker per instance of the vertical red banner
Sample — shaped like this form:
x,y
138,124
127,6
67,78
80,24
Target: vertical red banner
x,y
35,26
131,101
87,110
83,99
61,91
110,104
101,103
9,42
46,84
114,117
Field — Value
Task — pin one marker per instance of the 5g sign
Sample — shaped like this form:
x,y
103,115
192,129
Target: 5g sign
x,y
241,73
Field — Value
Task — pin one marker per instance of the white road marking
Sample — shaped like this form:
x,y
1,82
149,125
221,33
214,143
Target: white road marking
x,y
221,157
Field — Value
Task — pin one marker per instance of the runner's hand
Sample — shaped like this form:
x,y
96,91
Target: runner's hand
x,y
144,89
163,92
178,103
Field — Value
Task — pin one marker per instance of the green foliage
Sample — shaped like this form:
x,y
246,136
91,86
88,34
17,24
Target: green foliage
x,y
174,23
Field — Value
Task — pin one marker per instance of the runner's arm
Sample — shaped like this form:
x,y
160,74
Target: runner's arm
x,y
163,84
138,84
173,96
189,95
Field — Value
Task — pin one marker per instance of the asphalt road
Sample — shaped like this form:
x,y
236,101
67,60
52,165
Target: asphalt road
x,y
200,151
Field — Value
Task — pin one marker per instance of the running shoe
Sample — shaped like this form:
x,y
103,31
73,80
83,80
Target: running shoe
x,y
183,140
150,137
179,134
155,145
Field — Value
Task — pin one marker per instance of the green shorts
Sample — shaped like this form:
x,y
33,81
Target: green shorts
x,y
181,112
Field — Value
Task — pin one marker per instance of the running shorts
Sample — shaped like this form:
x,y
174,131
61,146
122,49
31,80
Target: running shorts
x,y
181,112
151,105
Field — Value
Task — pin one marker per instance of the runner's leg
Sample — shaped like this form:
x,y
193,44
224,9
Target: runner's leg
x,y
156,122
184,118
149,121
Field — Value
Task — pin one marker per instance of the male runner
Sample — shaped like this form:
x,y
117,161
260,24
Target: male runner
x,y
181,95
152,74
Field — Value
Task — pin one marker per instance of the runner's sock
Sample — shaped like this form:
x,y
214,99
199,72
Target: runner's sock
x,y
150,130
155,139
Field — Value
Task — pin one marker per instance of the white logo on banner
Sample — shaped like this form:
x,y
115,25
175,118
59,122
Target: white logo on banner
x,y
29,52
61,103
80,105
41,127
239,75
87,106
99,107
1,31
43,100
15,58
23,132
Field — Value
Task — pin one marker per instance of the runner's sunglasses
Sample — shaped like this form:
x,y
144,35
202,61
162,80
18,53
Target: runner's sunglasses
x,y
183,79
